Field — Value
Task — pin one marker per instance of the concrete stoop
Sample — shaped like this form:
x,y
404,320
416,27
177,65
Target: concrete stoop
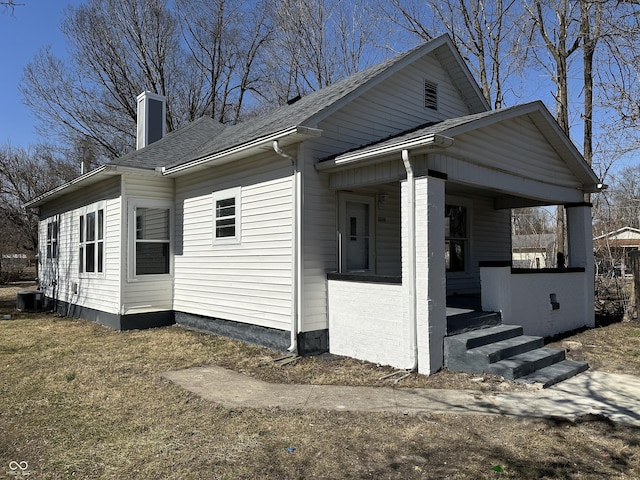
x,y
504,350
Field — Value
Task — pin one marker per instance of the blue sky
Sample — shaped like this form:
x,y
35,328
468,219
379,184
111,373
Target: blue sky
x,y
35,24
32,26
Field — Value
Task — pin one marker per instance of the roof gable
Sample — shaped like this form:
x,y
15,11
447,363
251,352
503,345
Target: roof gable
x,y
312,108
624,233
476,136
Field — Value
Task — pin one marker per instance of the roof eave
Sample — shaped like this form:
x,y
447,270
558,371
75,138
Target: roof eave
x,y
85,180
294,134
366,156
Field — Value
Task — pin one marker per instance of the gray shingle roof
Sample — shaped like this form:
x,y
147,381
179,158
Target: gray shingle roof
x,y
298,113
206,136
174,146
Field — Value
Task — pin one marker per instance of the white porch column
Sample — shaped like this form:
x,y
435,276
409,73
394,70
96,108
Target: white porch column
x,y
431,294
580,242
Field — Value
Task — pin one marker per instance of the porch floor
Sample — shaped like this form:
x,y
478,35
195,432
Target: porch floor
x,y
464,313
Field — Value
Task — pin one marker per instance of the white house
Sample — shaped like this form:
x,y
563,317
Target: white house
x,y
342,222
613,249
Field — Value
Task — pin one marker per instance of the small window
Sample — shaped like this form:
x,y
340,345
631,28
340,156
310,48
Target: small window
x,y
152,241
226,216
52,239
91,245
430,95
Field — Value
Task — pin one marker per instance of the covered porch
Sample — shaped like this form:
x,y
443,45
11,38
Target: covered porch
x,y
424,241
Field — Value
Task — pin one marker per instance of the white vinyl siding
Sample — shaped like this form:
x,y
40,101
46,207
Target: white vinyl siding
x,y
388,230
515,146
153,292
61,278
393,106
248,282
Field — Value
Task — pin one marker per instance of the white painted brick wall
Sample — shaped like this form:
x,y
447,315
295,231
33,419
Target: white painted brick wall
x,y
368,321
524,299
430,273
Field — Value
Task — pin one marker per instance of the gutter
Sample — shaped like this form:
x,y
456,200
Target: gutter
x,y
64,186
223,156
430,140
95,175
296,270
411,258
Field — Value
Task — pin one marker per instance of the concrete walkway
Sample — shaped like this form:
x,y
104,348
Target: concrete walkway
x,y
614,396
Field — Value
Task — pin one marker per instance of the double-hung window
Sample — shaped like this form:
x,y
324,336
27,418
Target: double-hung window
x,y
52,239
91,248
152,241
226,216
150,238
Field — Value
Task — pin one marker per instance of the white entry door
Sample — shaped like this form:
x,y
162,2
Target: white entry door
x,y
356,233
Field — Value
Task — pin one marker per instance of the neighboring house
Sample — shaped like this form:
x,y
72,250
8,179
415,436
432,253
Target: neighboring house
x,y
341,221
534,250
612,250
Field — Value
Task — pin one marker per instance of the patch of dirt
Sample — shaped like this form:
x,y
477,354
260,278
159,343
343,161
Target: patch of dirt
x,y
613,348
78,400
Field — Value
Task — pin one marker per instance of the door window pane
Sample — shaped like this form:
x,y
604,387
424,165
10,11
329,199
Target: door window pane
x,y
456,239
358,246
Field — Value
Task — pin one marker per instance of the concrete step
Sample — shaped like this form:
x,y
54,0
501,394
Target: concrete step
x,y
496,351
484,336
503,350
466,322
526,363
477,360
555,373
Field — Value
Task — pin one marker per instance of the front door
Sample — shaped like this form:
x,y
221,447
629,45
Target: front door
x,y
356,233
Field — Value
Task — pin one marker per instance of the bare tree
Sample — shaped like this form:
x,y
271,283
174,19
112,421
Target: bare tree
x,y
484,32
118,49
226,48
319,42
590,29
25,174
557,24
10,5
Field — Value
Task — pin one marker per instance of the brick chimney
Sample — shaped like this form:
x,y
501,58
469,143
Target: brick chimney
x,y
152,111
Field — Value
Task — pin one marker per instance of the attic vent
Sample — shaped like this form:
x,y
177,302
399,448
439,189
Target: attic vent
x,y
430,95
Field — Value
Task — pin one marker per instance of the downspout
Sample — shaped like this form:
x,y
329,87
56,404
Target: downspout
x,y
296,206
411,257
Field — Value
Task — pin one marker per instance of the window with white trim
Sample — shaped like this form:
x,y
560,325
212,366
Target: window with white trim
x,y
226,216
91,245
152,241
52,239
